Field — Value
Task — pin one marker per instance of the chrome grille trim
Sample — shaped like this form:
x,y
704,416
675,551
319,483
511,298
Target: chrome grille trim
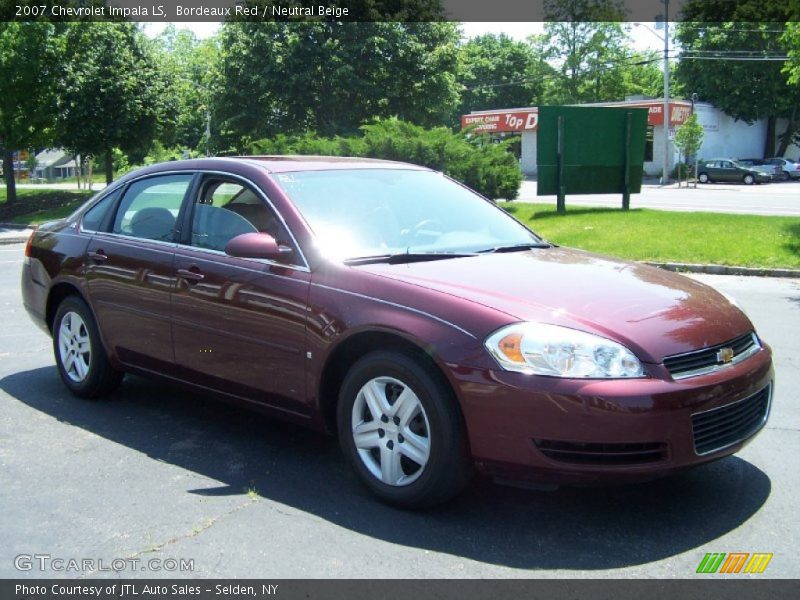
x,y
749,343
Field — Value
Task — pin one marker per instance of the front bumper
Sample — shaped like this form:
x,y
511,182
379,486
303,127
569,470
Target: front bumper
x,y
632,429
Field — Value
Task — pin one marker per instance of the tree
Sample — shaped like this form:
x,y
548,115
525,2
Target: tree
x,y
642,75
112,94
194,81
689,138
719,42
791,37
495,71
588,43
28,59
331,77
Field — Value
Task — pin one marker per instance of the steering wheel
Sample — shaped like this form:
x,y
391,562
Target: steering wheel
x,y
419,229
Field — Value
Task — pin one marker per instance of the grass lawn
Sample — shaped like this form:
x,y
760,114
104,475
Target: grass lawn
x,y
37,206
662,236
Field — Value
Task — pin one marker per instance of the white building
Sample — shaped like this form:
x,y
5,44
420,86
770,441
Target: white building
x,y
53,164
723,135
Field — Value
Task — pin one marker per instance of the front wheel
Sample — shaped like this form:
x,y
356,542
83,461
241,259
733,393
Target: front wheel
x,y
402,431
749,180
81,359
703,178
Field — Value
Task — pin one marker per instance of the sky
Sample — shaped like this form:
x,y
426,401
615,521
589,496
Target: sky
x,y
642,37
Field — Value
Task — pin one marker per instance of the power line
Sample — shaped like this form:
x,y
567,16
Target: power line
x,y
731,30
740,58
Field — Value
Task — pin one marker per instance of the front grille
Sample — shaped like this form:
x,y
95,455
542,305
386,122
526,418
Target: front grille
x,y
586,453
727,425
707,360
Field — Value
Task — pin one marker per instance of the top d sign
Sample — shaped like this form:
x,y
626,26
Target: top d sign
x,y
502,121
508,121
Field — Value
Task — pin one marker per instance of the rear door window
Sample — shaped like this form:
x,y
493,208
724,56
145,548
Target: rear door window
x,y
97,218
150,207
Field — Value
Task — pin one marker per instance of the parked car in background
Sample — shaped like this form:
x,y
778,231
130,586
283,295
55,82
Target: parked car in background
x,y
391,305
790,168
730,170
761,164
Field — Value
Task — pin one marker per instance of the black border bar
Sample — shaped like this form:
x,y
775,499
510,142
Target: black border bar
x,y
390,10
703,587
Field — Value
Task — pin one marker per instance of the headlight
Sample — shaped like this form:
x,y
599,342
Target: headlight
x,y
538,349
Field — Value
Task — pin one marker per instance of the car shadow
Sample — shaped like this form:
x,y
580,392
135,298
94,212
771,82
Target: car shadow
x,y
572,528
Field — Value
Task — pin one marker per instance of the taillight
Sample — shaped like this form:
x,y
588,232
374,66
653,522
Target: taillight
x,y
28,243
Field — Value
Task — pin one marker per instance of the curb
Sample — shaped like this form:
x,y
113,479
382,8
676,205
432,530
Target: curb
x,y
725,270
12,240
18,234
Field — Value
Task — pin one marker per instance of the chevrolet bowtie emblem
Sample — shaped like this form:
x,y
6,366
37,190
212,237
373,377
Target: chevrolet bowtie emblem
x,y
725,355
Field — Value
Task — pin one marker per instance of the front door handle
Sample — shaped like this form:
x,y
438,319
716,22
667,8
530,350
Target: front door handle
x,y
191,275
98,256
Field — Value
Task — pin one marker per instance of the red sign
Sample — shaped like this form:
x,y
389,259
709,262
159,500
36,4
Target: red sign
x,y
516,121
502,121
655,114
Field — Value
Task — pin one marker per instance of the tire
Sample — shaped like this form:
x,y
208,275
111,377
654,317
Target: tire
x,y
749,179
703,178
80,357
415,453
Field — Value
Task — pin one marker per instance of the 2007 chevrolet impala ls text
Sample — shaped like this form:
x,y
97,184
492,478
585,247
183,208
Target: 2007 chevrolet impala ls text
x,y
391,305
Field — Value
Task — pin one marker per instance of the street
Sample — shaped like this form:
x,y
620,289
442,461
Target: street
x,y
775,199
157,472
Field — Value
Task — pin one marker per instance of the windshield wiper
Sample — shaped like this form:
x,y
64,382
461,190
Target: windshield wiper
x,y
405,257
517,247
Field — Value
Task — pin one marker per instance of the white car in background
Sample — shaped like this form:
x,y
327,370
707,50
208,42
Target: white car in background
x,y
789,167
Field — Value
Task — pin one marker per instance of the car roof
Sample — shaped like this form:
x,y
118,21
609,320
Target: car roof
x,y
286,163
269,164
277,164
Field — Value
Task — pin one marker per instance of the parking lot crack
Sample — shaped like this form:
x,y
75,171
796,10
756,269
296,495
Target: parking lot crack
x,y
197,530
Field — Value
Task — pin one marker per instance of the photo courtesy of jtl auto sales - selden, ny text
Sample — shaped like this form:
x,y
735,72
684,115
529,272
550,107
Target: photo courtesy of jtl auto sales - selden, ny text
x,y
399,299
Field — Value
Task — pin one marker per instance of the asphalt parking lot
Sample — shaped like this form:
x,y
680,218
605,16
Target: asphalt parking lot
x,y
781,198
160,473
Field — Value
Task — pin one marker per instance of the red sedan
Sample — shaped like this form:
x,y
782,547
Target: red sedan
x,y
387,303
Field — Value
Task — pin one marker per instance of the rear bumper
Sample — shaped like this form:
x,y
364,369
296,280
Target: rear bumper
x,y
570,431
34,297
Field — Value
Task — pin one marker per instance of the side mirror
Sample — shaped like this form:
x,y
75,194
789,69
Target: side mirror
x,y
256,245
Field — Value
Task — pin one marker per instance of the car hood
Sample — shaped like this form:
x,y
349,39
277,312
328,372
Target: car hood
x,y
654,312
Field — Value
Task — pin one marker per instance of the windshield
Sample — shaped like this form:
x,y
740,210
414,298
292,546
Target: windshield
x,y
377,212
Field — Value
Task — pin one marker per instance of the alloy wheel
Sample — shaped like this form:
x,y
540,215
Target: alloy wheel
x,y
74,346
391,431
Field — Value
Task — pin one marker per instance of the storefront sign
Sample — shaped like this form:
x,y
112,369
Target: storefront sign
x,y
501,121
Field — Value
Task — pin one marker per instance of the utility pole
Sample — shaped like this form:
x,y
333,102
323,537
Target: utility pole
x,y
665,169
208,130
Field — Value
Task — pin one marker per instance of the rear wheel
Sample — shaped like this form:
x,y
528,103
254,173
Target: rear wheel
x,y
402,431
703,178
749,179
81,359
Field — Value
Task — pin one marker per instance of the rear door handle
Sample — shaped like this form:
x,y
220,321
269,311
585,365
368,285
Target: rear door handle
x,y
191,275
98,256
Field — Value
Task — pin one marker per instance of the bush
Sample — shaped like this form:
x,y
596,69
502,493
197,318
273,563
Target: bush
x,y
682,171
489,169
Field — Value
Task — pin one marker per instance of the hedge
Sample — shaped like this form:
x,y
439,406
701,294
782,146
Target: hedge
x,y
488,168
